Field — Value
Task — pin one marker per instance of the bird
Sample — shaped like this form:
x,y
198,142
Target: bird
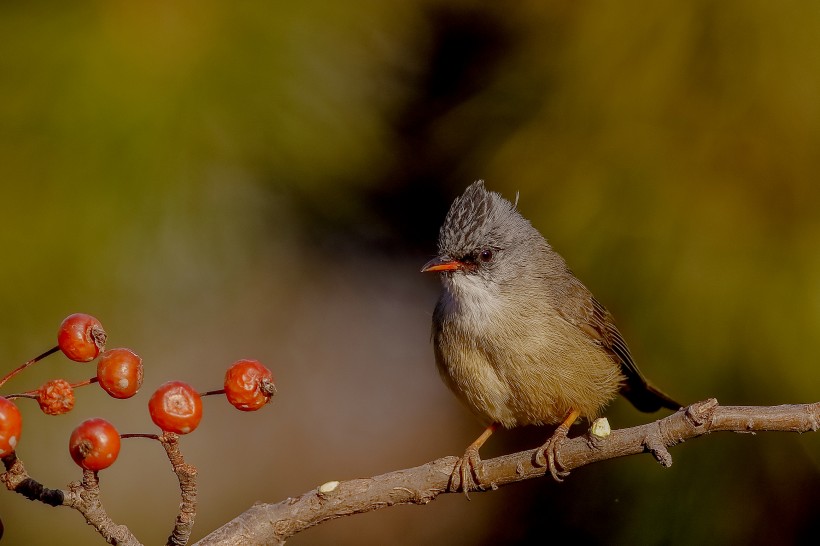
x,y
517,337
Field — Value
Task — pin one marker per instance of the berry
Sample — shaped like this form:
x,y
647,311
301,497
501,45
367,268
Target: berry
x,y
81,337
119,372
249,385
56,397
11,424
94,444
176,407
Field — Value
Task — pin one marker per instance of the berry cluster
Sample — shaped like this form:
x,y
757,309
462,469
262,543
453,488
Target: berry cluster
x,y
175,406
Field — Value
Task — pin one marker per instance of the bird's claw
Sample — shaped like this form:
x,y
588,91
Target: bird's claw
x,y
468,473
547,455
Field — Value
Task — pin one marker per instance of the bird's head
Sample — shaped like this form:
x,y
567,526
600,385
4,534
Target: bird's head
x,y
483,237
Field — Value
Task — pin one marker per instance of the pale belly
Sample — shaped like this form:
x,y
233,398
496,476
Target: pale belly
x,y
536,381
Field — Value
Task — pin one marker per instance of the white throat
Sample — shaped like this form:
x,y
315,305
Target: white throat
x,y
472,300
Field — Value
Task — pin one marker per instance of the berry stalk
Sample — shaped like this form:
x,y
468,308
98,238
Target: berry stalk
x,y
27,364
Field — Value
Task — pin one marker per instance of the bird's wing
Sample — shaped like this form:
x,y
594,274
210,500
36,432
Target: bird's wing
x,y
592,318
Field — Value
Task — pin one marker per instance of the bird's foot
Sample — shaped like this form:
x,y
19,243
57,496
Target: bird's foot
x,y
547,455
468,473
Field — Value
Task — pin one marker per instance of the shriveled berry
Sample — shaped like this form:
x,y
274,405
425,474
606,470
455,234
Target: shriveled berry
x,y
176,407
94,444
249,385
119,372
11,424
56,397
81,337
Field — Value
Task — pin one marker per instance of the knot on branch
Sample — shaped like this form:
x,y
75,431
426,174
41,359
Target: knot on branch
x,y
814,416
654,443
701,413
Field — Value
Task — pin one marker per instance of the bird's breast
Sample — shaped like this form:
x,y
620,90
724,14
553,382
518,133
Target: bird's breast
x,y
518,364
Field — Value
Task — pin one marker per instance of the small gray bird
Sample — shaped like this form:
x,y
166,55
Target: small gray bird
x,y
518,338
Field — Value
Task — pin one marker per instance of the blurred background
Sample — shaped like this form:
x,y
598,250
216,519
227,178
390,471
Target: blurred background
x,y
217,181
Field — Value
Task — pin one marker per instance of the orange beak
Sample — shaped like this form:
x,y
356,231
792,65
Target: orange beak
x,y
441,263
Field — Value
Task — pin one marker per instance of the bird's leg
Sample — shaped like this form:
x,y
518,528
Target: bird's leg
x,y
549,450
469,465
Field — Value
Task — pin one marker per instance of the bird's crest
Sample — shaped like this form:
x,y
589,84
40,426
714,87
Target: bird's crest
x,y
471,220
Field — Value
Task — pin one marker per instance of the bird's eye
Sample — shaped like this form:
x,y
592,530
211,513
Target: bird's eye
x,y
486,255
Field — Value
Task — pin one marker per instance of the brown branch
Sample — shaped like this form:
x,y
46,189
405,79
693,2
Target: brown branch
x,y
16,479
83,496
186,474
275,523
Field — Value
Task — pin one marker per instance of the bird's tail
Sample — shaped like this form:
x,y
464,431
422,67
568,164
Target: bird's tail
x,y
648,398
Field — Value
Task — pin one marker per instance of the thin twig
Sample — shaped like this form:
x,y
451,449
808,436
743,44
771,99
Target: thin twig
x,y
83,496
186,474
212,393
25,365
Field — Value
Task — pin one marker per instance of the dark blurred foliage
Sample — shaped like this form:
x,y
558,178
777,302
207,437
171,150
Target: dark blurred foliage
x,y
225,180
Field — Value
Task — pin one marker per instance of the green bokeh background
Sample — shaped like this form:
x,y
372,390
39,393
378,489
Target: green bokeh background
x,y
225,180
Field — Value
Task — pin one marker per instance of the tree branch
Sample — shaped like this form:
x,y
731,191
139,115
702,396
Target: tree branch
x,y
275,523
83,496
186,474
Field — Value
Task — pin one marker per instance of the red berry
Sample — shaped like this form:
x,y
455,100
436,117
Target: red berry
x,y
56,397
11,424
81,337
176,407
94,444
249,385
119,372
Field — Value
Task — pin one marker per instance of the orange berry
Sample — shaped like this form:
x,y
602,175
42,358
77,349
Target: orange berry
x,y
249,385
120,372
11,425
56,397
176,407
94,444
81,337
